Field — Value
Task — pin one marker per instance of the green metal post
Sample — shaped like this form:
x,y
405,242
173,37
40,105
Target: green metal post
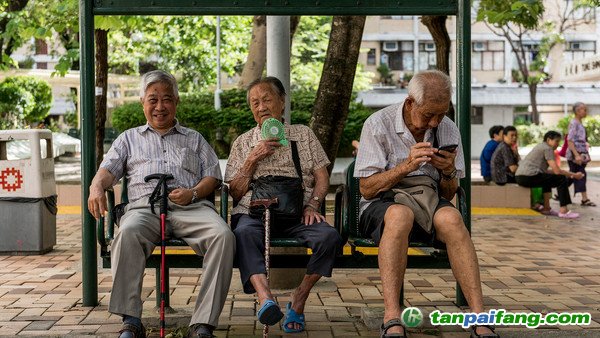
x,y
88,157
463,96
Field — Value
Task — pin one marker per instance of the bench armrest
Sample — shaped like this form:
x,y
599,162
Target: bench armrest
x,y
224,201
105,226
462,206
340,216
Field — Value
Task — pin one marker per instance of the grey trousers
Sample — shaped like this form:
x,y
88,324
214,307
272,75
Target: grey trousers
x,y
197,224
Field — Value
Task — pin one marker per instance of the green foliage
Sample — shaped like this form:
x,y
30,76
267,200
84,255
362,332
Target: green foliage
x,y
15,102
525,13
221,128
42,94
385,74
531,134
23,101
71,119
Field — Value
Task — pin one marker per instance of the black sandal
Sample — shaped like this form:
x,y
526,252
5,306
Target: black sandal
x,y
138,332
391,323
588,203
474,333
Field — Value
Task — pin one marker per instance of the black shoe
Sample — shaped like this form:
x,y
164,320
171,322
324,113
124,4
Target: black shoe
x,y
137,332
201,331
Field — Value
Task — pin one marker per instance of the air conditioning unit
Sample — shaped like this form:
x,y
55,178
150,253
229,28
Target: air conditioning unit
x,y
478,47
390,46
429,46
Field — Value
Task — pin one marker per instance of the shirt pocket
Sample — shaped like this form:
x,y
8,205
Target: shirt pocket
x,y
190,162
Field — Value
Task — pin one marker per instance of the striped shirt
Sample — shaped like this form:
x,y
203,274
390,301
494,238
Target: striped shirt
x,y
385,142
142,151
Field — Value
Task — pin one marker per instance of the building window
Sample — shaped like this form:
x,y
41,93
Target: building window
x,y
487,55
577,50
398,55
427,57
476,115
371,57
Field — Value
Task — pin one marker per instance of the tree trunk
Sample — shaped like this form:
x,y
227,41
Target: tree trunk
x,y
535,118
436,24
335,88
257,52
101,37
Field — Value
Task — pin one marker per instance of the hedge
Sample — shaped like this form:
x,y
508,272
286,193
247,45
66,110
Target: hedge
x,y
220,128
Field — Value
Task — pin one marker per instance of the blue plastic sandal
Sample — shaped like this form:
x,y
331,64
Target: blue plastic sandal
x,y
269,313
291,317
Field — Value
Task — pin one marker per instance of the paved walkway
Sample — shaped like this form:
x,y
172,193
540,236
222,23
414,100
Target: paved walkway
x,y
528,263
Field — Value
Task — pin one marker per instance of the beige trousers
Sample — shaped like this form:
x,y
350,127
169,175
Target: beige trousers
x,y
197,224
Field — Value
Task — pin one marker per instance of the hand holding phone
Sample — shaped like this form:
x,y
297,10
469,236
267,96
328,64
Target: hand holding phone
x,y
449,148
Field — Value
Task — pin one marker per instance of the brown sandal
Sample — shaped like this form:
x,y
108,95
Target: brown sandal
x,y
389,324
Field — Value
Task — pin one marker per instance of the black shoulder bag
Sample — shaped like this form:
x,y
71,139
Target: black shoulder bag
x,y
288,190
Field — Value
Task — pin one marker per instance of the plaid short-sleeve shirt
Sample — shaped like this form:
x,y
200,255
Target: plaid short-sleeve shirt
x,y
311,153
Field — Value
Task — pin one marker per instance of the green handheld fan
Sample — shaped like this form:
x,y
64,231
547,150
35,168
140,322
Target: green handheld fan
x,y
273,128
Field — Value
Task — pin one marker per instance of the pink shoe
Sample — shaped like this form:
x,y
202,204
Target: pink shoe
x,y
568,214
549,212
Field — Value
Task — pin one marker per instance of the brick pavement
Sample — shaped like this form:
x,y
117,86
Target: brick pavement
x,y
528,264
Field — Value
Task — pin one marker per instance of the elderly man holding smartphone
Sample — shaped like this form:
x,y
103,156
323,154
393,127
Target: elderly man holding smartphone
x,y
413,147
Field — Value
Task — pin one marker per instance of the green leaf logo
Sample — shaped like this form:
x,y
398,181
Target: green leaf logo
x,y
412,317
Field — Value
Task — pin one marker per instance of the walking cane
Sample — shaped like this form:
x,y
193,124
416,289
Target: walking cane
x,y
266,203
160,194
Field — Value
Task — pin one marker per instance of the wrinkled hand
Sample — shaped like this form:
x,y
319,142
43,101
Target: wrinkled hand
x,y
311,216
445,163
578,176
181,196
578,159
264,148
97,202
419,153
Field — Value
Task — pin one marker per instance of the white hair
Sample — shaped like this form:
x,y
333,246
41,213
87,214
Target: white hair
x,y
429,78
156,76
576,106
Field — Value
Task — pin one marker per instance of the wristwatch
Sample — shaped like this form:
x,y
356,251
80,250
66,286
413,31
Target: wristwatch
x,y
194,196
449,177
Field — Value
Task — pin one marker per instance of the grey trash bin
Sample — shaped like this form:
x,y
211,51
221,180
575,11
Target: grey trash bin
x,y
27,192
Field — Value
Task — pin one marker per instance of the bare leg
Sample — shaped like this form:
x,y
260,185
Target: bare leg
x,y
463,259
393,249
300,295
260,284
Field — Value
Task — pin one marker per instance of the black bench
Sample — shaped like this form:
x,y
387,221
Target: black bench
x,y
347,197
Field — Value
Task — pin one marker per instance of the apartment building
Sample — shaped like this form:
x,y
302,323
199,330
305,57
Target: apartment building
x,y
405,45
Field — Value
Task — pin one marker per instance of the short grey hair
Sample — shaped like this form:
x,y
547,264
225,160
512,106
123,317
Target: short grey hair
x,y
576,106
274,82
156,76
436,80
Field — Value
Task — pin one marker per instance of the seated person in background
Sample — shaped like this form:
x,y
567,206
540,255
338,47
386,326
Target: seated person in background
x,y
396,147
533,172
252,157
505,158
496,133
162,145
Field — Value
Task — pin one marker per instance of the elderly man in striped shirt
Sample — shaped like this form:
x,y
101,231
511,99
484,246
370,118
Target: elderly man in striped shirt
x,y
164,146
404,143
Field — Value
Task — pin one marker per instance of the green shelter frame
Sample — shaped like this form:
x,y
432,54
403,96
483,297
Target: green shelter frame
x,y
90,8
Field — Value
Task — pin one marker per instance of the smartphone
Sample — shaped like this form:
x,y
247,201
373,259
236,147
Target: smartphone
x,y
448,147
